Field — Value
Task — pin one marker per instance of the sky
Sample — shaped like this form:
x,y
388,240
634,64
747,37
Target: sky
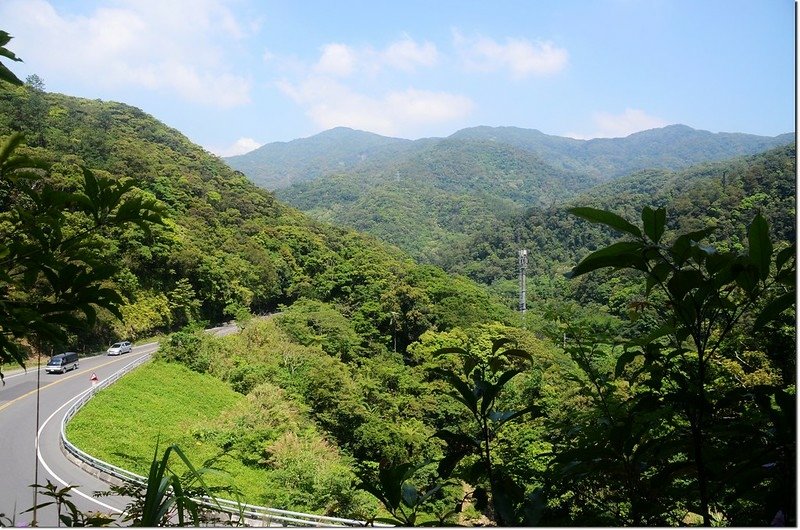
x,y
234,75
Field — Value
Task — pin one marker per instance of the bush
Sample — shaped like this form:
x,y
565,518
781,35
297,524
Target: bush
x,y
185,347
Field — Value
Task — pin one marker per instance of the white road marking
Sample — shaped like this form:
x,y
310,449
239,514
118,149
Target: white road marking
x,y
47,468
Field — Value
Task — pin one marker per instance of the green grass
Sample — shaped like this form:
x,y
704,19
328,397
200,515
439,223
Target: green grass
x,y
166,403
160,403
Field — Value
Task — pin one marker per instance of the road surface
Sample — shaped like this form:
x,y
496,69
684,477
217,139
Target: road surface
x,y
18,458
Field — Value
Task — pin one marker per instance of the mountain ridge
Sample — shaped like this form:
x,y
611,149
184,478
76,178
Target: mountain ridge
x,y
281,164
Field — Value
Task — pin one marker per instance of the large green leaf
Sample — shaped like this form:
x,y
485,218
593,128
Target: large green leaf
x,y
8,76
760,249
683,244
607,218
625,359
773,309
684,281
504,417
492,390
784,255
464,393
9,146
657,274
654,222
517,353
625,254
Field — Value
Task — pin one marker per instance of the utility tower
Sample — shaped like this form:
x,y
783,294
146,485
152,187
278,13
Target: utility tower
x,y
523,267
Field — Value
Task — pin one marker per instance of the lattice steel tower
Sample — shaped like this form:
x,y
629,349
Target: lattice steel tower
x,y
523,267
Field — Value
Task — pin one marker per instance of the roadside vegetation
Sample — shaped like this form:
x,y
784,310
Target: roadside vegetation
x,y
261,445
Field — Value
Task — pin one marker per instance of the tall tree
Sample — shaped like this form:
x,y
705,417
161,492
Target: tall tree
x,y
709,295
50,267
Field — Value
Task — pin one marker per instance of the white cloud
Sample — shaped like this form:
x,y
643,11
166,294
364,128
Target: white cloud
x,y
407,54
329,103
423,106
331,96
239,147
521,57
336,59
174,46
609,125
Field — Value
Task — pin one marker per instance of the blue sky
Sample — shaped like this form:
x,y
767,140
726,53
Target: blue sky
x,y
233,75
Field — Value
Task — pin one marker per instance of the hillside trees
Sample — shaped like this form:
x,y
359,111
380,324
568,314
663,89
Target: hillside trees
x,y
50,264
225,246
735,433
7,75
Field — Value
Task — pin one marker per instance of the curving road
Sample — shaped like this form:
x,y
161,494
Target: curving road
x,y
18,436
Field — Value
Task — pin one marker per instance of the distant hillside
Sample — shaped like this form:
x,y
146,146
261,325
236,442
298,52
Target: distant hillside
x,y
428,195
724,194
281,164
437,195
343,150
671,147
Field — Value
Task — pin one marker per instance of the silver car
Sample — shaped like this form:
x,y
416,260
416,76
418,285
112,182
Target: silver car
x,y
119,348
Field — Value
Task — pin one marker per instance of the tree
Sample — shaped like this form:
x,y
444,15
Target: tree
x,y
709,296
478,386
50,267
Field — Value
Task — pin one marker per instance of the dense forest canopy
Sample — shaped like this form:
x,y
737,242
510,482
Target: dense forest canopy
x,y
343,150
433,195
227,246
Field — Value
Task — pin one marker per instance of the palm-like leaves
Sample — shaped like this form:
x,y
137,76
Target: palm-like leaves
x,y
478,388
49,273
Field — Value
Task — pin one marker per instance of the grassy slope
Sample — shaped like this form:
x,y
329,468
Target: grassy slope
x,y
160,403
165,403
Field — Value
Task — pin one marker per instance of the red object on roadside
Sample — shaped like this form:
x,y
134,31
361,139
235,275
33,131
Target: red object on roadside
x,y
94,377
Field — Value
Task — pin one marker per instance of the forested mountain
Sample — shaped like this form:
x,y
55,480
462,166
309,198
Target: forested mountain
x,y
281,164
723,195
422,388
227,245
429,195
343,151
437,196
670,147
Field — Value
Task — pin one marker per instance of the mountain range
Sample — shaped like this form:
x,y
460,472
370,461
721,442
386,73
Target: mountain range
x,y
281,164
431,195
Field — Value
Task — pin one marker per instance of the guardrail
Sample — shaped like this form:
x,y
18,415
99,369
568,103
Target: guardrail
x,y
252,514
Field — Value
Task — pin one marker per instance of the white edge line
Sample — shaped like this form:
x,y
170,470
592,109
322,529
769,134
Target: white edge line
x,y
47,468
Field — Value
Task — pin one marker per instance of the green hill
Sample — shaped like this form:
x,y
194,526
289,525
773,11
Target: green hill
x,y
434,198
281,164
671,147
725,195
431,195
399,378
227,245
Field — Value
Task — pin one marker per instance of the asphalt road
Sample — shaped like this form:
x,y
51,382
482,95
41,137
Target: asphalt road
x,y
18,456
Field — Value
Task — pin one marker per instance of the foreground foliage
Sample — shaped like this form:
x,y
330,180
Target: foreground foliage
x,y
696,416
49,264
